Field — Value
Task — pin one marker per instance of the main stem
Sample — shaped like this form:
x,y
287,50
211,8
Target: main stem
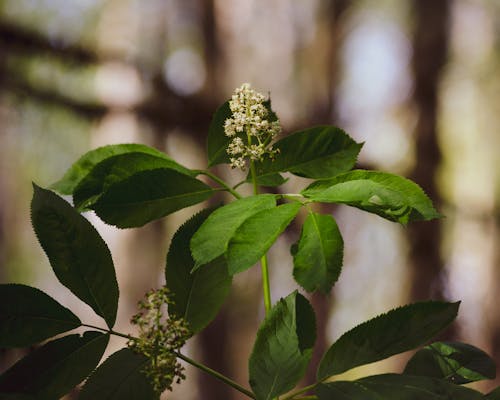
x,y
263,261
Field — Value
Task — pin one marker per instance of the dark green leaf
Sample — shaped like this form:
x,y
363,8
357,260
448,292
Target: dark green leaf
x,y
257,234
317,257
270,180
390,196
197,296
456,362
211,240
283,347
28,316
395,387
149,195
116,169
397,331
120,377
78,255
54,369
319,152
493,395
84,165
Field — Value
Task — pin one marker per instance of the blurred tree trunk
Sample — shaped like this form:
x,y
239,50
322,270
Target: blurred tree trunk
x,y
430,45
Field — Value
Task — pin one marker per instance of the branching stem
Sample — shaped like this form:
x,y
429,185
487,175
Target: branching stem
x,y
220,182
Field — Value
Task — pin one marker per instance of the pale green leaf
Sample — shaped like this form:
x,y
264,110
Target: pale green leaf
x,y
211,240
399,330
317,257
390,196
283,347
256,235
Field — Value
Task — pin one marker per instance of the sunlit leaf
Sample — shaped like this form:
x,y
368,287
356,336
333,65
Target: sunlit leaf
x,y
116,169
456,362
78,255
257,234
317,256
54,369
320,152
120,377
84,165
149,195
395,387
283,347
28,316
211,240
197,296
399,330
390,196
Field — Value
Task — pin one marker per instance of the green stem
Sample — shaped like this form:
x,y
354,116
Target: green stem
x,y
300,391
263,261
216,374
220,182
110,331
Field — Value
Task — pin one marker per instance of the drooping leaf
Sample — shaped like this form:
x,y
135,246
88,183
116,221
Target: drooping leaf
x,y
149,195
211,240
320,152
78,255
54,369
493,395
120,377
399,330
456,362
28,316
217,141
317,257
197,296
395,387
84,165
257,234
390,196
283,347
116,169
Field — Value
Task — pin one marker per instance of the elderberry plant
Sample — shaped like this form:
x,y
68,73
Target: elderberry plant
x,y
129,185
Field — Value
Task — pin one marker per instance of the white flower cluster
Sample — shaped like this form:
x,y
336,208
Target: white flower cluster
x,y
250,118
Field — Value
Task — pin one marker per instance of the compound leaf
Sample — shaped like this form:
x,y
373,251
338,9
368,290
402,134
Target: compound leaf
x,y
54,369
283,347
389,196
399,330
28,316
120,377
78,255
317,256
197,296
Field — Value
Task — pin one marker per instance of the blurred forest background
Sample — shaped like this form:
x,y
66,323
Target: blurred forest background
x,y
418,81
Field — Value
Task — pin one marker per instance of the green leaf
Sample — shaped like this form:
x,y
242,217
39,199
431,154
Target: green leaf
x,y
317,257
197,296
395,387
270,180
217,141
149,195
390,196
399,330
78,255
493,395
28,316
320,152
257,234
84,165
54,369
456,362
120,377
283,347
116,169
211,240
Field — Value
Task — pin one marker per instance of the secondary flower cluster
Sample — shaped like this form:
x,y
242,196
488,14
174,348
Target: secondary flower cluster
x,y
251,127
159,338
